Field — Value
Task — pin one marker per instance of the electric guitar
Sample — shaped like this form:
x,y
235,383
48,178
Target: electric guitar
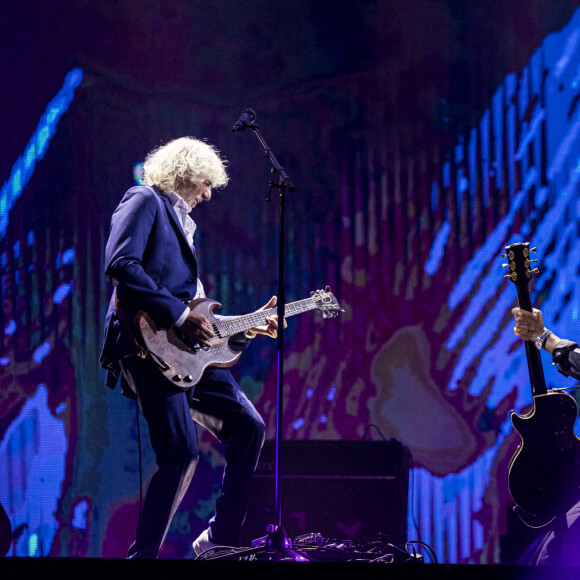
x,y
183,362
543,476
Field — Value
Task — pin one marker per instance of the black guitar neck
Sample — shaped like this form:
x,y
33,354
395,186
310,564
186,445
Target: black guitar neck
x,y
535,368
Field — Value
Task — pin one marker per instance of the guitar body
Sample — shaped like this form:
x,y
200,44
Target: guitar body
x,y
543,474
185,360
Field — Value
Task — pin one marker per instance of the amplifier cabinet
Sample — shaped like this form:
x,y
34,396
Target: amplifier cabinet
x,y
345,490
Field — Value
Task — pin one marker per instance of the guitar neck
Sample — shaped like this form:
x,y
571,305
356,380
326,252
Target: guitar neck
x,y
533,357
231,326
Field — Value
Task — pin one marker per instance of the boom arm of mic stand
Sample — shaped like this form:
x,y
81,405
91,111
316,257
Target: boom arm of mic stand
x,y
285,181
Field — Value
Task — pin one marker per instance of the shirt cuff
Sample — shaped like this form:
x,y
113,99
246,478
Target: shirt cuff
x,y
561,355
182,318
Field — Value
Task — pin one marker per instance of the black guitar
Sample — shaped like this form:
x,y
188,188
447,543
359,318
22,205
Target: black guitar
x,y
543,476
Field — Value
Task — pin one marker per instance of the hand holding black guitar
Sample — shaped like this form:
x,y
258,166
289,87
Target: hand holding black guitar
x,y
543,474
530,326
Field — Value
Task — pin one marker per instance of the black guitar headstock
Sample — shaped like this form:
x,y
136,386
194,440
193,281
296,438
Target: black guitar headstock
x,y
519,263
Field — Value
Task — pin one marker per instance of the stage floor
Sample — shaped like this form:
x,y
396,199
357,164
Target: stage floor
x,y
107,569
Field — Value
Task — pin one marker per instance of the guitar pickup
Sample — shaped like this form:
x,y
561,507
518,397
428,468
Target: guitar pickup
x,y
186,340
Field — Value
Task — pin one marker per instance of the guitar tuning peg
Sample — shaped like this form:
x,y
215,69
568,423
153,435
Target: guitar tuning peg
x,y
536,270
533,261
504,255
533,250
505,265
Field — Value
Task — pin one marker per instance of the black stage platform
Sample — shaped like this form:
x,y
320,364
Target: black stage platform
x,y
108,569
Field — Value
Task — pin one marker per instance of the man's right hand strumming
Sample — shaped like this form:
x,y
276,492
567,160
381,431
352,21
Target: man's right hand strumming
x,y
198,328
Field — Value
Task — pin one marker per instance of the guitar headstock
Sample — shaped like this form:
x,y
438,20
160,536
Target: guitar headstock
x,y
326,302
519,263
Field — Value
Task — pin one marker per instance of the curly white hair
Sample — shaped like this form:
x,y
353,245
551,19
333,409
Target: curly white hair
x,y
185,162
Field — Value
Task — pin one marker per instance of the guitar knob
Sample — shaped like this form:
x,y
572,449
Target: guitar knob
x,y
187,379
176,378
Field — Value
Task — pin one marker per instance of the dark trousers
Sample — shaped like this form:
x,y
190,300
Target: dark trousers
x,y
218,404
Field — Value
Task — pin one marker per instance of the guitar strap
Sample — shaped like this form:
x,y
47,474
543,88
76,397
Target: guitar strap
x,y
141,351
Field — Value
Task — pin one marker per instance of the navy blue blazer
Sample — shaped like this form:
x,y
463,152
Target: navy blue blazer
x,y
152,266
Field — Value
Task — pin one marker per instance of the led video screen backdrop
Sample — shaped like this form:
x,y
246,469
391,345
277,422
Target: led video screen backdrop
x,y
407,233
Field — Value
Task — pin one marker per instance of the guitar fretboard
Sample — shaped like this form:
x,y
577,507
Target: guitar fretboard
x,y
238,324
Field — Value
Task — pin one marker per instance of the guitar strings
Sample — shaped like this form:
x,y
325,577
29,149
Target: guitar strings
x,y
242,323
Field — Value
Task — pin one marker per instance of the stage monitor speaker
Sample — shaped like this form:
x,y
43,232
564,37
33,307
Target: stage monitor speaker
x,y
345,490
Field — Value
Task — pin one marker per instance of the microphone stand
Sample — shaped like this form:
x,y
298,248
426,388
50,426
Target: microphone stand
x,y
277,539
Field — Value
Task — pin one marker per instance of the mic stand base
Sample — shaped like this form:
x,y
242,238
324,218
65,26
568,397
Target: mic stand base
x,y
278,542
275,546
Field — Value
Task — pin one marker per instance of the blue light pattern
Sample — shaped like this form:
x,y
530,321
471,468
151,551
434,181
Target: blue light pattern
x,y
36,148
33,452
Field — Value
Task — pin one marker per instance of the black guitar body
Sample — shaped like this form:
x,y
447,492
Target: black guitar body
x,y
543,474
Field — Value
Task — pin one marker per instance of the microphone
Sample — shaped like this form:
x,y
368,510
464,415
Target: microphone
x,y
246,119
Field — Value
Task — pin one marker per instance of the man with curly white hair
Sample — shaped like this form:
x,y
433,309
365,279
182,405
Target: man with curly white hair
x,y
150,259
